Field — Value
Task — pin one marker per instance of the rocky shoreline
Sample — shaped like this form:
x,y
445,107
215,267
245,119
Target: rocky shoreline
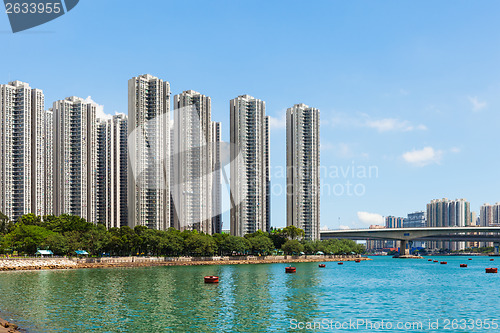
x,y
6,327
14,264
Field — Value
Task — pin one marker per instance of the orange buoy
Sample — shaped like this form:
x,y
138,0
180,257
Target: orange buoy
x,y
443,262
290,269
322,265
211,279
492,270
463,265
340,263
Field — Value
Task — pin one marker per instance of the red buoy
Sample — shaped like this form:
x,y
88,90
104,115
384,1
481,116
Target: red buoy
x,y
429,259
470,258
492,270
443,262
340,263
435,261
463,265
492,259
357,260
211,279
322,265
290,269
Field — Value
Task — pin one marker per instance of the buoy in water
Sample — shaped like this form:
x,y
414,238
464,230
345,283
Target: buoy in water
x,y
492,259
470,258
492,270
443,262
290,269
322,265
211,279
357,260
463,265
340,263
436,261
429,259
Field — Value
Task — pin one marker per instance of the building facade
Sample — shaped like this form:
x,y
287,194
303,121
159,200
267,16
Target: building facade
x,y
303,162
216,187
250,168
75,159
416,220
149,148
448,213
22,150
193,162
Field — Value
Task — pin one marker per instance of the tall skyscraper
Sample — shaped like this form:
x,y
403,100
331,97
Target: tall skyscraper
x,y
149,147
448,213
303,161
193,162
22,150
119,175
416,220
103,172
216,187
49,162
111,183
75,159
250,168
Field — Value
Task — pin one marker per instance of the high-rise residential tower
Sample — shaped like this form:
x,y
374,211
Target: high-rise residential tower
x,y
111,183
448,213
119,175
216,179
22,150
49,162
149,147
250,168
75,159
193,162
303,162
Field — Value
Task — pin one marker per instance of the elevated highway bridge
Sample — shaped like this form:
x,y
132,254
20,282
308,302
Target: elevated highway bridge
x,y
405,235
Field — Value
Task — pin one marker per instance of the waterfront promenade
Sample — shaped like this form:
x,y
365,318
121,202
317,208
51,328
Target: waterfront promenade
x,y
105,262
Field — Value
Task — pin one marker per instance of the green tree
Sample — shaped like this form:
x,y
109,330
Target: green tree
x,y
292,246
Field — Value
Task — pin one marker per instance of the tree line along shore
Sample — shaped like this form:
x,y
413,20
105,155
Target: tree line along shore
x,y
65,234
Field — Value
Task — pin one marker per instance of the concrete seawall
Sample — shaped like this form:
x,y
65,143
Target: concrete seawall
x,y
104,262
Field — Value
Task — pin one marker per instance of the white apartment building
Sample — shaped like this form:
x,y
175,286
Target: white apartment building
x,y
149,147
75,159
22,150
250,168
303,162
193,162
216,178
111,182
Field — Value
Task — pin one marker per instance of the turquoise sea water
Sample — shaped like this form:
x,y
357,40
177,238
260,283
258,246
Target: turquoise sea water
x,y
258,298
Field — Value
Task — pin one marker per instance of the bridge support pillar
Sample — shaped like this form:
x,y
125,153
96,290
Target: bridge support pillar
x,y
495,246
403,248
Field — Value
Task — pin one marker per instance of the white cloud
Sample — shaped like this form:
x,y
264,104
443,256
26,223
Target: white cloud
x,y
344,227
477,105
381,125
277,123
455,150
393,124
341,149
423,157
99,109
370,218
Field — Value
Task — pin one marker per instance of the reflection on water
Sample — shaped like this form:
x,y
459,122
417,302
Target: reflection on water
x,y
249,298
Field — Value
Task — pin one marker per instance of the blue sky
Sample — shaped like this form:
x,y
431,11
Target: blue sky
x,y
410,90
